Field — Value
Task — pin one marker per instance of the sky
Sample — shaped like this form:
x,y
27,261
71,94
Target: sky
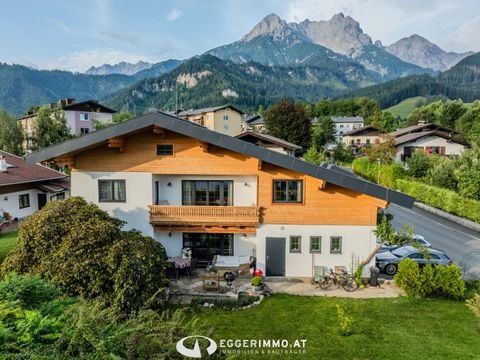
x,y
76,34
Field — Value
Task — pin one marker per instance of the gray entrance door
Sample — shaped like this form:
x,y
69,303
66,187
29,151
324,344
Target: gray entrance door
x,y
275,261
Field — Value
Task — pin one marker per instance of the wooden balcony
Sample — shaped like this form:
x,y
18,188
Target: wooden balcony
x,y
235,219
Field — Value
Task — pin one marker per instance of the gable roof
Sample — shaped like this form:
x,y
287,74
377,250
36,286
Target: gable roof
x,y
88,105
421,127
22,172
364,131
187,128
206,110
268,138
414,136
347,119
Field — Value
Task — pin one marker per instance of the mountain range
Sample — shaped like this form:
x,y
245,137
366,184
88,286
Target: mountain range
x,y
305,60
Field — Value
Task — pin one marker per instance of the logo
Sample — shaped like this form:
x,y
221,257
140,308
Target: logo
x,y
196,352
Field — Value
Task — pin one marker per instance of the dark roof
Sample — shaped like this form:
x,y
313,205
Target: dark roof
x,y
419,128
22,172
208,109
364,131
250,135
414,136
258,120
347,119
187,128
55,185
90,106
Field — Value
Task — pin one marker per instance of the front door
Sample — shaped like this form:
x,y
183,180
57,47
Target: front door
x,y
275,261
42,200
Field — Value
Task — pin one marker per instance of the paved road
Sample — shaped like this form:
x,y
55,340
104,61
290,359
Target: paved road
x,y
461,244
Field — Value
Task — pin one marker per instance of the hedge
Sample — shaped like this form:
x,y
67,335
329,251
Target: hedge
x,y
389,173
443,199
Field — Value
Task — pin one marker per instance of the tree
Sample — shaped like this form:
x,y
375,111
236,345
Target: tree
x,y
314,156
342,153
418,164
442,172
50,128
384,151
83,251
468,173
287,120
323,132
384,120
11,134
121,117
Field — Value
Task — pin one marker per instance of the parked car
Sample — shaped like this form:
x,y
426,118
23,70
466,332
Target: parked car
x,y
388,261
419,239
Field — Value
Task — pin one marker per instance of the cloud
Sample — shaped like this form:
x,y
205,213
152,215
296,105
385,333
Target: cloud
x,y
60,25
466,36
173,14
121,37
80,61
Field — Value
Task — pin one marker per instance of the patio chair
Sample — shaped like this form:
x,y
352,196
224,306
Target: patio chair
x,y
190,270
318,273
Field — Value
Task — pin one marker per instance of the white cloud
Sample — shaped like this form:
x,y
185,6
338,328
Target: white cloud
x,y
130,39
81,60
173,14
466,36
60,25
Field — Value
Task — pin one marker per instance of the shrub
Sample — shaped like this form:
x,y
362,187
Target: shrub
x,y
418,164
446,200
474,305
344,321
439,281
27,291
257,280
369,170
442,172
82,250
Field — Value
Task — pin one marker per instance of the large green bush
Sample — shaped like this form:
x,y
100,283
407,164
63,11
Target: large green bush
x,y
389,173
439,281
446,200
82,250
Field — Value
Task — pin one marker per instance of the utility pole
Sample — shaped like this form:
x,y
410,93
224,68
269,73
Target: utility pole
x,y
378,172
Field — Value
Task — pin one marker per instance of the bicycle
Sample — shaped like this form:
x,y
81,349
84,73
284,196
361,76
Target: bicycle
x,y
345,280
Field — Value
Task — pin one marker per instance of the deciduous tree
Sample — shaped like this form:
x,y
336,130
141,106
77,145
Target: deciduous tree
x,y
11,134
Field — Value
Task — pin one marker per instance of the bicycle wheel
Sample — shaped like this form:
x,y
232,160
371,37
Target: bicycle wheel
x,y
350,285
325,283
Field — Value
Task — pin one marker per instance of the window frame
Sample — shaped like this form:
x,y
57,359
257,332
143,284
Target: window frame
x,y
82,116
341,245
299,251
319,251
157,147
286,201
21,203
112,181
227,188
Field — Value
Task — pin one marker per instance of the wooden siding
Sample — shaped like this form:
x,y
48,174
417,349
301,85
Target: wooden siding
x,y
331,205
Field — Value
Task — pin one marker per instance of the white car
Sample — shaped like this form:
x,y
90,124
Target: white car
x,y
417,238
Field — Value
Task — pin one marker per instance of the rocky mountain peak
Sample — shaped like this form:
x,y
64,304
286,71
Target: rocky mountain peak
x,y
271,25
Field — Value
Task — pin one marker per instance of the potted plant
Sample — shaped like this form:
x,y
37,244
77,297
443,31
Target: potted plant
x,y
257,282
211,269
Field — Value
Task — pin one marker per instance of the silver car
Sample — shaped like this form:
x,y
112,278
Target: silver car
x,y
388,261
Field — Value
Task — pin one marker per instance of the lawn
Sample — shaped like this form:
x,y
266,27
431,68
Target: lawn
x,y
400,328
7,242
404,108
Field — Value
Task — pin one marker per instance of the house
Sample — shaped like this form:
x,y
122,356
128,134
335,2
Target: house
x,y
344,124
26,188
430,138
254,123
223,119
270,142
189,187
364,136
81,117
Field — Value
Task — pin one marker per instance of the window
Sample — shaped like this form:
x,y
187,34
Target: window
x,y
165,149
315,244
341,125
287,191
295,244
415,256
84,116
206,245
225,127
84,131
111,191
207,192
367,141
225,117
24,201
335,245
435,257
359,141
60,196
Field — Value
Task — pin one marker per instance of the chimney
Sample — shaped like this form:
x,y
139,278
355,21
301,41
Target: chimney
x,y
69,101
3,164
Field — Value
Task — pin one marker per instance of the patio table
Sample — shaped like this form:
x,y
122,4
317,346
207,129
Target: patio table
x,y
179,263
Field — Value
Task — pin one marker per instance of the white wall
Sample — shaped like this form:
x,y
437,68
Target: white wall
x,y
451,148
242,195
357,241
138,196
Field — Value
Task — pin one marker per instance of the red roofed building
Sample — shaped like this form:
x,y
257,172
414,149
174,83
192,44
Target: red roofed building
x,y
26,188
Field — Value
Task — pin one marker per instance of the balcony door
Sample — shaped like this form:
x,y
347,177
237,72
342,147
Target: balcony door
x,y
207,192
205,245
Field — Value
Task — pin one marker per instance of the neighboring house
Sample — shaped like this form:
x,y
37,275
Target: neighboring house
x,y
187,186
364,136
430,138
81,117
254,123
346,124
223,119
270,142
26,188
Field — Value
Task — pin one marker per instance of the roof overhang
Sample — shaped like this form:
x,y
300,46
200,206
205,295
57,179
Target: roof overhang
x,y
187,128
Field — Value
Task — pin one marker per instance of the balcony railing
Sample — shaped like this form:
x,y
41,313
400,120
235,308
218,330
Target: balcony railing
x,y
204,215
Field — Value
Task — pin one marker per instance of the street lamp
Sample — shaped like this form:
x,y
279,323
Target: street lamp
x,y
378,171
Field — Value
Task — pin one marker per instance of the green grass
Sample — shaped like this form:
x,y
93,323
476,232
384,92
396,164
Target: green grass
x,y
400,328
7,243
404,108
